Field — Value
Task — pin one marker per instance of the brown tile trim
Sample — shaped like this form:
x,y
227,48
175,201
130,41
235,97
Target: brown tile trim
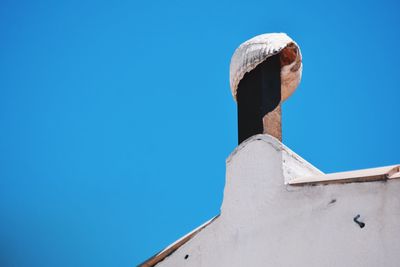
x,y
171,249
365,175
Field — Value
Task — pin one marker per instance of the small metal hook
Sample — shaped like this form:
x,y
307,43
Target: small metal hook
x,y
355,219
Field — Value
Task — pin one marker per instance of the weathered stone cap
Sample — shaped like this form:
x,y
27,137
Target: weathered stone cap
x,y
255,51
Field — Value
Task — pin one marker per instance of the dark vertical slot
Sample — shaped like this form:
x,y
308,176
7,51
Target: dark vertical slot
x,y
258,93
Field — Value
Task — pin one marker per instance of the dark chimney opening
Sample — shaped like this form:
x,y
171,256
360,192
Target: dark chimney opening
x,y
259,92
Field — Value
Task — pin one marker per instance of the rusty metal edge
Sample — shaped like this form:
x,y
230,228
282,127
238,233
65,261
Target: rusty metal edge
x,y
152,261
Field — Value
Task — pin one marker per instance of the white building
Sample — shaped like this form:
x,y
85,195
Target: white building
x,y
279,210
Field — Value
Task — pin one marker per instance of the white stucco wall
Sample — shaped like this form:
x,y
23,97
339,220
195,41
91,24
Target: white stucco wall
x,y
264,222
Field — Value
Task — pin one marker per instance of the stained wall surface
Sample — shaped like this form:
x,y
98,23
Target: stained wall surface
x,y
265,222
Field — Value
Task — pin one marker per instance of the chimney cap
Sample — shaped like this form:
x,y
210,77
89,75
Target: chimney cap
x,y
255,51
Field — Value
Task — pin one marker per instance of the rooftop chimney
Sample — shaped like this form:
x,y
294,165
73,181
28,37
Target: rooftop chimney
x,y
264,72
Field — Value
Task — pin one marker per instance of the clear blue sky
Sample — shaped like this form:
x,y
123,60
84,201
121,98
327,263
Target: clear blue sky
x,y
116,117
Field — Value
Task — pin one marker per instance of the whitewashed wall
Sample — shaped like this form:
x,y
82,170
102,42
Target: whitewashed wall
x,y
264,222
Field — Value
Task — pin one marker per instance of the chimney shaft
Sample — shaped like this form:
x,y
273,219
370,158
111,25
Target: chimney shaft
x,y
264,72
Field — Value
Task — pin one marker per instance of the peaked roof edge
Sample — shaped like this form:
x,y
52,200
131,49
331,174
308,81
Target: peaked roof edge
x,y
174,246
